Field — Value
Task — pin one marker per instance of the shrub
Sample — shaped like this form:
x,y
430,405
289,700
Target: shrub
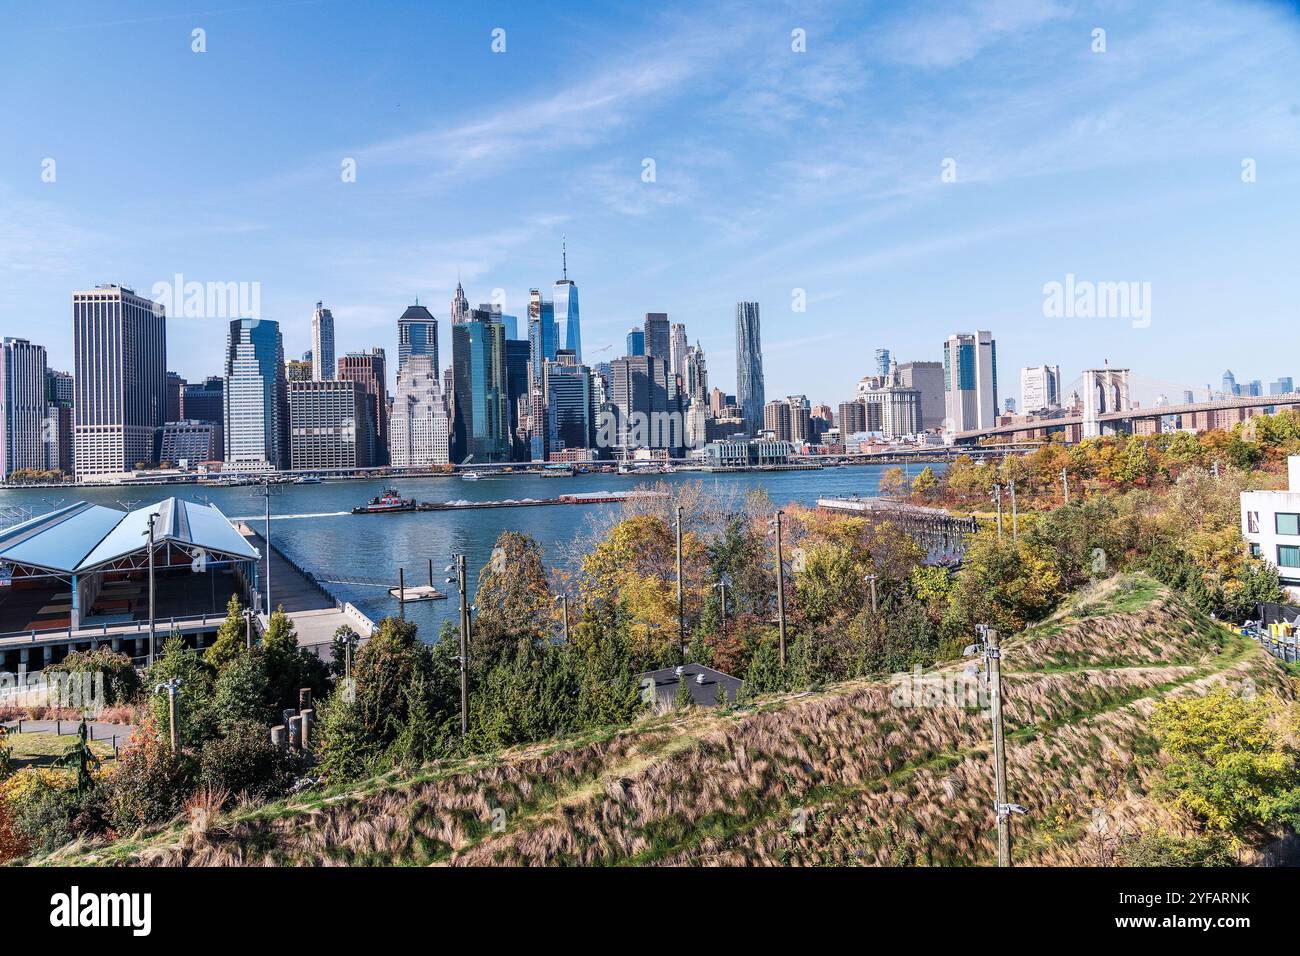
x,y
1157,848
242,692
247,763
150,782
121,681
346,749
194,699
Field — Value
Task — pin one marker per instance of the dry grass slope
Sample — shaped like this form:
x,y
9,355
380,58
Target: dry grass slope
x,y
842,776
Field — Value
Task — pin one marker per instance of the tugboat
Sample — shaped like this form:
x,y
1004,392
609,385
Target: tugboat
x,y
390,500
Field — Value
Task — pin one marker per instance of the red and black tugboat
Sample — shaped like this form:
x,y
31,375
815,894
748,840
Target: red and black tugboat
x,y
390,500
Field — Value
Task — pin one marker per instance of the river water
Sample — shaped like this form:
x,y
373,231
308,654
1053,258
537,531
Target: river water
x,y
314,526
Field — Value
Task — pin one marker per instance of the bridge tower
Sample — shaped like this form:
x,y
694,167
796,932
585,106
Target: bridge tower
x,y
1104,390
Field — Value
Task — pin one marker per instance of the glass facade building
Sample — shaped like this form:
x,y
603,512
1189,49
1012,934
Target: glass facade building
x,y
749,366
256,396
417,334
480,414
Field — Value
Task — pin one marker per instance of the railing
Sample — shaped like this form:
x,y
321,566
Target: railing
x,y
106,630
1286,649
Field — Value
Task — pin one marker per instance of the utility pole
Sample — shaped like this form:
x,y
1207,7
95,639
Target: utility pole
x,y
997,496
1015,520
1065,480
153,516
681,607
871,579
990,644
464,648
780,586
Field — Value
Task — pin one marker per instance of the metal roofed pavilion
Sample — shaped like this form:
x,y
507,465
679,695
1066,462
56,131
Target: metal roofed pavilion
x,y
82,537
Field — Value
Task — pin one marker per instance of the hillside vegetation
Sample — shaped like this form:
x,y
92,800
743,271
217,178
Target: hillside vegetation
x,y
841,775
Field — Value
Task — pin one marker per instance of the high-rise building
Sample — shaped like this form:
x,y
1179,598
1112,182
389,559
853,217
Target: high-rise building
x,y
1253,388
853,418
677,350
696,377
58,421
882,362
776,419
657,338
256,396
566,310
570,405
175,386
328,424
892,408
635,341
518,354
717,401
459,306
542,348
1230,384
206,402
1040,388
640,406
418,431
800,418
322,344
1284,385
120,378
188,441
298,370
926,378
749,365
970,381
369,369
480,420
23,407
417,334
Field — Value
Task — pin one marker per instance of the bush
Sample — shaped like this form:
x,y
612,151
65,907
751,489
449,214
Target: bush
x,y
346,751
121,681
150,782
245,762
242,692
1157,848
194,699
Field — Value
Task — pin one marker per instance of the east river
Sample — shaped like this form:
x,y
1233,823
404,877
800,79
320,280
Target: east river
x,y
314,526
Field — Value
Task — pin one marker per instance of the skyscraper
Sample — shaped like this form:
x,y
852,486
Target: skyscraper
x,y
970,381
58,428
1282,386
518,354
417,334
882,362
677,350
635,341
566,310
926,378
175,385
570,405
418,431
459,306
22,406
656,336
639,396
120,379
480,417
749,365
541,349
256,396
322,344
206,402
1230,384
696,377
327,425
369,369
1040,388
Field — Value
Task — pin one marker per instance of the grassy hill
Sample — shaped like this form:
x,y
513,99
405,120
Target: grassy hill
x,y
837,776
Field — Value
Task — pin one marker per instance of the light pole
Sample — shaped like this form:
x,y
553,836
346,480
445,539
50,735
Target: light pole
x,y
780,584
871,579
722,587
172,687
153,516
681,607
988,644
997,497
248,628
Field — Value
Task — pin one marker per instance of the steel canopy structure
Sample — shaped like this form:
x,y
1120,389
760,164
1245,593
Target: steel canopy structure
x,y
78,542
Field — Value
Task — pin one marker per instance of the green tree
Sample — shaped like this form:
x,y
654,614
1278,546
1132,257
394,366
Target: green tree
x,y
513,601
242,693
231,639
196,721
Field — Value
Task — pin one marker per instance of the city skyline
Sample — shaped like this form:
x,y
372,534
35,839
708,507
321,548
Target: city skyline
x,y
886,253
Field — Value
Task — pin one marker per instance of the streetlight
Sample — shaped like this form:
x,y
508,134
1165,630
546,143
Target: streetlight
x,y
723,581
153,516
780,582
172,687
871,579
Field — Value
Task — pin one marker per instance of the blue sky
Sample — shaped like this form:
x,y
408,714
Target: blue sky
x,y
775,171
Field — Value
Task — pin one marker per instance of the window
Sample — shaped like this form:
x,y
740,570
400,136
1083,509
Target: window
x,y
1288,556
1252,522
1256,551
1288,523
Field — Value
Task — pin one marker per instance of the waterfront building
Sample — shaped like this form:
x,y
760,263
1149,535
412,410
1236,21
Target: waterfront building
x,y
190,442
369,370
57,429
322,344
328,424
570,404
542,348
970,381
256,396
417,334
480,420
747,453
1040,388
641,410
419,428
206,402
23,407
853,418
119,377
749,364
776,419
